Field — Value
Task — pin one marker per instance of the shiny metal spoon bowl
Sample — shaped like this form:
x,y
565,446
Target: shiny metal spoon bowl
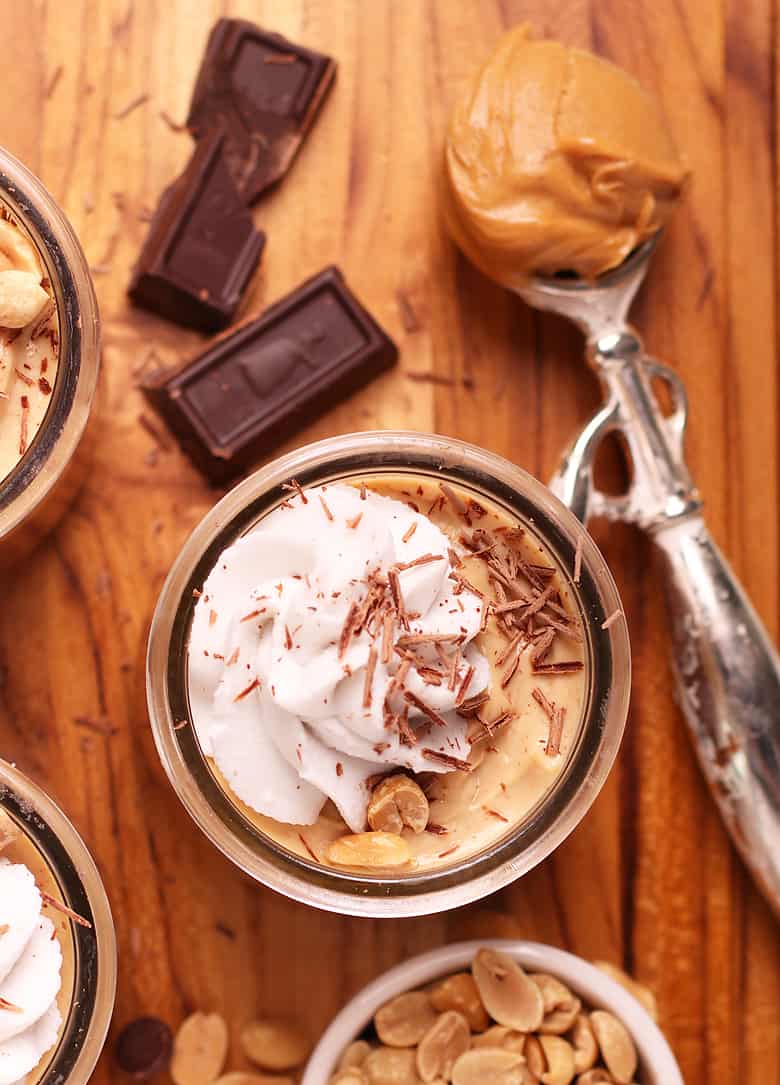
x,y
727,672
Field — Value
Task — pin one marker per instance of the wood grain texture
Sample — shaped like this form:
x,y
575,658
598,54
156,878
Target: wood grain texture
x,y
649,880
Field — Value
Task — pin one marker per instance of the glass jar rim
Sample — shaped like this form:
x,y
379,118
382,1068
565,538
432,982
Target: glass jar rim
x,y
50,451
101,966
574,790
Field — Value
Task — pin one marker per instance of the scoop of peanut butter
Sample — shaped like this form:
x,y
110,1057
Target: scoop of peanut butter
x,y
556,160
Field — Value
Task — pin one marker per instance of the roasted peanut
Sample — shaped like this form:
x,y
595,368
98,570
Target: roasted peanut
x,y
274,1045
508,994
560,1005
559,1060
444,1042
391,1066
396,803
490,1066
586,1050
375,850
16,251
355,1055
459,992
616,1046
404,1020
199,1049
21,298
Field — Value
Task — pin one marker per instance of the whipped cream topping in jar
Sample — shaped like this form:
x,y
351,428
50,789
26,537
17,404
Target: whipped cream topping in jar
x,y
57,950
49,360
374,680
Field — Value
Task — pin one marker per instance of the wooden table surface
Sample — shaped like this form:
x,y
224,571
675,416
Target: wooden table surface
x,y
649,879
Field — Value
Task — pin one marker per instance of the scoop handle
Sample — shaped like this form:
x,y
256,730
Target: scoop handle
x,y
727,671
727,676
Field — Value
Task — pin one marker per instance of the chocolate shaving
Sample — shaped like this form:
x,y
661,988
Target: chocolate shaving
x,y
564,666
347,629
251,615
410,639
470,706
424,559
614,616
437,830
24,378
409,532
253,685
60,907
24,423
547,706
405,732
353,523
426,709
509,673
6,1005
294,486
325,508
541,648
288,641
369,677
466,682
495,814
398,599
308,847
555,734
578,561
447,759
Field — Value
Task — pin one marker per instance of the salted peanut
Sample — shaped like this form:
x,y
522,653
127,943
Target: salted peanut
x,y
491,1066
583,1040
199,1049
16,251
249,1077
560,1005
274,1045
597,1076
352,1075
507,993
559,1059
391,1066
21,298
444,1042
355,1055
396,803
405,1019
616,1046
534,1055
8,829
642,994
369,850
459,992
501,1036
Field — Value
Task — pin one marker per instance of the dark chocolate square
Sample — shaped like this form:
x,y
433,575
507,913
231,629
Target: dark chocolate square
x,y
264,93
257,386
202,247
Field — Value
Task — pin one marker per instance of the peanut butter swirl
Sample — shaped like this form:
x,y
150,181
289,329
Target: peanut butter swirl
x,y
555,160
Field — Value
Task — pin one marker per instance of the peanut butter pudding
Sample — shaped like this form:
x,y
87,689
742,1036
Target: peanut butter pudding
x,y
37,958
555,160
29,343
385,673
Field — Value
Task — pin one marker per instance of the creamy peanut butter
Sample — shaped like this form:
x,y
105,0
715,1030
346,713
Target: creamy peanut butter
x,y
555,160
29,344
519,726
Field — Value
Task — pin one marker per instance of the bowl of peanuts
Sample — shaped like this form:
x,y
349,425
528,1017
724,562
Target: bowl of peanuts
x,y
499,1012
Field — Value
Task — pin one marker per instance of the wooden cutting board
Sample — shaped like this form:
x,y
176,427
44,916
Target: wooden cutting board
x,y
649,879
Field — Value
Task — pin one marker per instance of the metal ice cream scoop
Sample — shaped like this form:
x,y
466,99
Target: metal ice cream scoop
x,y
727,671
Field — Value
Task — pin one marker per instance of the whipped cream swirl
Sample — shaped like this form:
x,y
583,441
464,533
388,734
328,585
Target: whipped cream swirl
x,y
30,964
329,644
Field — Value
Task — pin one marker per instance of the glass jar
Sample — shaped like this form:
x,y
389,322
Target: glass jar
x,y
56,853
593,750
39,488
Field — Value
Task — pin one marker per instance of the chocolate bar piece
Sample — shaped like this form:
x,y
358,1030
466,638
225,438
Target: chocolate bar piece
x,y
264,92
258,385
202,247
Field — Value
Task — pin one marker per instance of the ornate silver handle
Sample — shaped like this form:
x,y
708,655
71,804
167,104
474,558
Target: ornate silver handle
x,y
726,669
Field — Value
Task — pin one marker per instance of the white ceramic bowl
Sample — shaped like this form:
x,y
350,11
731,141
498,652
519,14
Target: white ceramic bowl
x,y
657,1064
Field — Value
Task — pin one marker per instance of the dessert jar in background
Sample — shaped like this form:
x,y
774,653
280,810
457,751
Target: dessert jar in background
x,y
38,487
656,1063
409,890
39,836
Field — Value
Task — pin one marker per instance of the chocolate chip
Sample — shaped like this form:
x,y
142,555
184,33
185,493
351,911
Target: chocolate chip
x,y
143,1048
